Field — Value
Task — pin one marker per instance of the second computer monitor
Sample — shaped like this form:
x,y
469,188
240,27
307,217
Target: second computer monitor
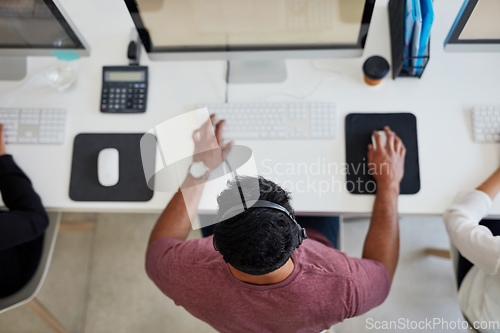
x,y
476,28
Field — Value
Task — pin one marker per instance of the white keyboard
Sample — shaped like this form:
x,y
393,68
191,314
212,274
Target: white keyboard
x,y
309,120
486,123
33,126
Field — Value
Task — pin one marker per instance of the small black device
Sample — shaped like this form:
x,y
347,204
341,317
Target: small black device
x,y
124,89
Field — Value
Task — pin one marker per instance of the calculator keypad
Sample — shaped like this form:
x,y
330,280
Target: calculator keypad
x,y
124,97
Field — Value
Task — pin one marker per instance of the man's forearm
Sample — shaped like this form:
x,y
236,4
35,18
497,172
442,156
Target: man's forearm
x,y
175,221
491,186
382,240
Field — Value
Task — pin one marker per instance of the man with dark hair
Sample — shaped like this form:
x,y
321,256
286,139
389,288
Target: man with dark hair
x,y
258,273
259,241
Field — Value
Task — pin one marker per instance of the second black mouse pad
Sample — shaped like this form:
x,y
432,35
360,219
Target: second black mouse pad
x,y
358,133
84,183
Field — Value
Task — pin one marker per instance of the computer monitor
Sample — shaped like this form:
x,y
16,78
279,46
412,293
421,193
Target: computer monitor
x,y
476,28
34,28
248,32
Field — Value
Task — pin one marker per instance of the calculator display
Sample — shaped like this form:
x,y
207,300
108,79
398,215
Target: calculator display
x,y
124,76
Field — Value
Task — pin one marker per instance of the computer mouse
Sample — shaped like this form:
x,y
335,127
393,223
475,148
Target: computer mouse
x,y
108,166
383,136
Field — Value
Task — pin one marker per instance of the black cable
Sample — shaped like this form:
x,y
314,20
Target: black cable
x,y
228,69
242,197
235,177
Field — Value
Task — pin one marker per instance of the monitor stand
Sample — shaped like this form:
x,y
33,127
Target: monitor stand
x,y
244,71
13,68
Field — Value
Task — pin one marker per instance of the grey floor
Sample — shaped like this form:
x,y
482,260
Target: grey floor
x,y
97,282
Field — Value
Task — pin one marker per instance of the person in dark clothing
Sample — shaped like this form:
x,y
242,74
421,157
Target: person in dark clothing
x,y
22,227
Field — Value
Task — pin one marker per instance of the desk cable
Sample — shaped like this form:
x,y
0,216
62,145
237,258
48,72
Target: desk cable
x,y
237,179
228,69
313,90
6,98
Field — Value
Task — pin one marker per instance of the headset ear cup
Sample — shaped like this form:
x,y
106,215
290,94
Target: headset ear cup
x,y
214,244
301,235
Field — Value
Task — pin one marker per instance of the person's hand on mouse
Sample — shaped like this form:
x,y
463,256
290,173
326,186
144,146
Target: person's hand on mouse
x,y
2,141
386,163
208,144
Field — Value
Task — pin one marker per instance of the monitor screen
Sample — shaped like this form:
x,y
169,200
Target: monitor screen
x,y
477,27
34,24
250,25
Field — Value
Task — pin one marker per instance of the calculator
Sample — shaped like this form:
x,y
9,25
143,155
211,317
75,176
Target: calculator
x,y
124,89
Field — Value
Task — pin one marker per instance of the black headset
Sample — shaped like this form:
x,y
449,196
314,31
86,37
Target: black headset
x,y
264,204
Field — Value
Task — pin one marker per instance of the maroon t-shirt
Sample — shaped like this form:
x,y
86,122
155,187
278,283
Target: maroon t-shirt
x,y
325,287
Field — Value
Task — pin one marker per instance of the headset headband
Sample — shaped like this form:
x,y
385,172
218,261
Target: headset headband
x,y
257,204
266,204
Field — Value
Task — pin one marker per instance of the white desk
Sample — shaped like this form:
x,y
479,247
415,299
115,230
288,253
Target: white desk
x,y
441,100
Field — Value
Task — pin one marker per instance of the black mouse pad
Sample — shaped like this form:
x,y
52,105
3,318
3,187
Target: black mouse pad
x,y
358,133
84,184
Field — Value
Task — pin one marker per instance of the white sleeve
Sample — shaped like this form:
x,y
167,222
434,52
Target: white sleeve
x,y
475,242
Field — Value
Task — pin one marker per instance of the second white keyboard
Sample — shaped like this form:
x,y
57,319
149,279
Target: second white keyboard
x,y
33,126
486,123
309,120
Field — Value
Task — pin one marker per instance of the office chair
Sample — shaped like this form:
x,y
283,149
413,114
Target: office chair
x,y
27,294
455,256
